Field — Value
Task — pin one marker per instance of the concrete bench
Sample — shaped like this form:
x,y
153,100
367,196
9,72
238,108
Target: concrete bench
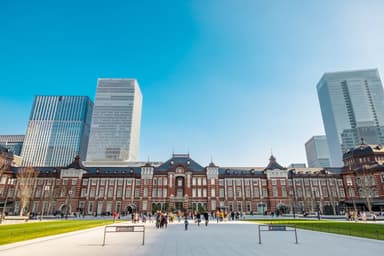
x,y
14,219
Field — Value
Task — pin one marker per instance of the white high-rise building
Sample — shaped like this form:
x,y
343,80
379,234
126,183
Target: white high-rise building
x,y
352,106
317,151
115,128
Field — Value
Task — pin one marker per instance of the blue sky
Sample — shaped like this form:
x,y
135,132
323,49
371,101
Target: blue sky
x,y
231,80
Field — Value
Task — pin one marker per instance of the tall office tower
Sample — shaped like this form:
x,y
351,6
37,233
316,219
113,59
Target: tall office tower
x,y
317,152
13,143
116,119
58,130
352,106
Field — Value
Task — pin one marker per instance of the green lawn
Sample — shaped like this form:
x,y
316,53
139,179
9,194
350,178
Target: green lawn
x,y
20,232
359,229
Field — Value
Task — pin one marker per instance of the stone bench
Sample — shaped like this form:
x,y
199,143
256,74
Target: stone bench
x,y
14,219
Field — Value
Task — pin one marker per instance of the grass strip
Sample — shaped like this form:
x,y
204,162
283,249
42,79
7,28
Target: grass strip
x,y
26,231
358,229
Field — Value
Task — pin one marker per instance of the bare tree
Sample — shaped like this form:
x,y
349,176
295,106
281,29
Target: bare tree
x,y
25,180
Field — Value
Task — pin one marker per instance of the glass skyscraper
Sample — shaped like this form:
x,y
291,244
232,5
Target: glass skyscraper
x,y
58,130
317,151
116,119
352,106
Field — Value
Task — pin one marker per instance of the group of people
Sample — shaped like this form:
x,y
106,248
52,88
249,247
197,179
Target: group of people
x,y
357,215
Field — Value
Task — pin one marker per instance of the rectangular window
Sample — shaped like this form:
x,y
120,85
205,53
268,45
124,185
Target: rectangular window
x,y
128,192
111,181
74,182
273,182
238,192
84,192
92,193
348,180
138,182
199,192
129,181
221,192
212,181
160,181
110,192
193,181
342,194
229,181
230,192
255,191
137,192
325,191
221,182
283,192
238,182
102,182
199,181
120,182
154,192
204,192
247,192
340,182
101,191
274,191
282,182
3,179
265,192
255,182
213,192
204,181
165,181
194,192
145,192
246,182
165,192
264,182
38,192
119,192
85,182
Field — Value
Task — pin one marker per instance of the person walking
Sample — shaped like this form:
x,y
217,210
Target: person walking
x,y
186,222
206,218
198,216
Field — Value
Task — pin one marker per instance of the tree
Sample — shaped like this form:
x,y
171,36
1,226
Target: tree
x,y
25,181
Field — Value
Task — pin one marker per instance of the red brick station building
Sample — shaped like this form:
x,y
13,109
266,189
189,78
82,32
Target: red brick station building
x,y
180,183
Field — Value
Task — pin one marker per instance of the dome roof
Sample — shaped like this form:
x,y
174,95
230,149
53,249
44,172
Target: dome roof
x,y
363,149
273,164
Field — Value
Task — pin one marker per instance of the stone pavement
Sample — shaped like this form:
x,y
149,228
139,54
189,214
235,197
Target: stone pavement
x,y
229,238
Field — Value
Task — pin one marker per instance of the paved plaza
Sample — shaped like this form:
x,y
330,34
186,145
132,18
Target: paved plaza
x,y
229,238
